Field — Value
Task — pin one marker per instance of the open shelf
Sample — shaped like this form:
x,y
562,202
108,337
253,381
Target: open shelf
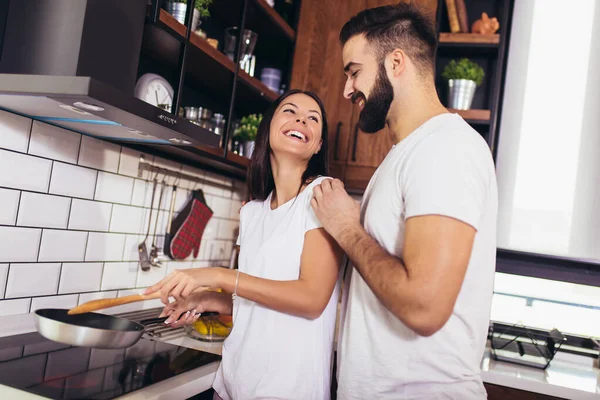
x,y
205,64
278,22
258,10
474,115
237,159
469,38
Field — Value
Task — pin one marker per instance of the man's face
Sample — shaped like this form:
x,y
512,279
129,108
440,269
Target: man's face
x,y
367,84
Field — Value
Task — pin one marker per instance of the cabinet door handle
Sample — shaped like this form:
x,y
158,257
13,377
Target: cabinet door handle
x,y
354,143
337,141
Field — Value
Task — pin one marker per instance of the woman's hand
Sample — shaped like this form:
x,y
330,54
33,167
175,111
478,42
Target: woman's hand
x,y
182,282
187,311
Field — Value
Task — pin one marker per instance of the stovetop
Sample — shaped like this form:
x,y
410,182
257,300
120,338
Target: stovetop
x,y
37,365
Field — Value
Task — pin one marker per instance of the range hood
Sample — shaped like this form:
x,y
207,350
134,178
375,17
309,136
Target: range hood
x,y
93,108
74,63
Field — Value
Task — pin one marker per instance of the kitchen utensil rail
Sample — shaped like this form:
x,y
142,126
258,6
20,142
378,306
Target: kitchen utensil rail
x,y
147,166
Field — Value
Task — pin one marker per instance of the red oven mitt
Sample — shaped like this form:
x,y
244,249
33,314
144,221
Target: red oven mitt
x,y
187,228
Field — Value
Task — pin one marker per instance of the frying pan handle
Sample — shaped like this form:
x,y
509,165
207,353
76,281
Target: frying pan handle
x,y
152,321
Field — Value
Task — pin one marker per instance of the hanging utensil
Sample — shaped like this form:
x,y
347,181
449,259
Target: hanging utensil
x,y
154,260
167,244
92,329
145,263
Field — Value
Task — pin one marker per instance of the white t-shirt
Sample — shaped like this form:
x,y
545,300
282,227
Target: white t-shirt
x,y
444,167
269,354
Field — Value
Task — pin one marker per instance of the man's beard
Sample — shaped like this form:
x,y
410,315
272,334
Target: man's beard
x,y
373,116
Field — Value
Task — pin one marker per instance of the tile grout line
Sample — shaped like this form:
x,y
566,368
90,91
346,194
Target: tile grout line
x,y
69,214
59,279
39,245
18,208
6,283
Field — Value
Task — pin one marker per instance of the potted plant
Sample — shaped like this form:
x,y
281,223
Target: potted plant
x,y
246,133
463,78
178,8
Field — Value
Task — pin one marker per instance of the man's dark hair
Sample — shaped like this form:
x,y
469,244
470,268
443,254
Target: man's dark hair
x,y
401,26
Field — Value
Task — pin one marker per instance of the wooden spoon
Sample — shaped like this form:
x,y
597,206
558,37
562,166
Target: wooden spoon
x,y
100,304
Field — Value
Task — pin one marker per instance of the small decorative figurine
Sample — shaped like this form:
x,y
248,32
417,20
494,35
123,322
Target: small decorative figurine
x,y
485,25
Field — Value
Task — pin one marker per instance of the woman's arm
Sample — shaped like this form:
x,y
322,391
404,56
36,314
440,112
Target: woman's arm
x,y
306,297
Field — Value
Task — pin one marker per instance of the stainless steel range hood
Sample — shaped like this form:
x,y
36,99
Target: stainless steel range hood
x,y
90,107
74,63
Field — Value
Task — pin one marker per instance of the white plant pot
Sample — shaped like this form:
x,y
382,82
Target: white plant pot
x,y
460,93
178,11
248,148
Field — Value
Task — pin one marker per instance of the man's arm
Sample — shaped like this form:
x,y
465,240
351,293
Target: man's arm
x,y
421,289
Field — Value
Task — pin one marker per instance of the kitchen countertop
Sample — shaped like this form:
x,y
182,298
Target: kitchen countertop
x,y
568,376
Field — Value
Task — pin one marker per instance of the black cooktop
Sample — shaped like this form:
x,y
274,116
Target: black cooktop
x,y
37,365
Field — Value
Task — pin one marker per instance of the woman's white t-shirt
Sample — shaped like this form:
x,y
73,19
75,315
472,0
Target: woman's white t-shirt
x,y
269,354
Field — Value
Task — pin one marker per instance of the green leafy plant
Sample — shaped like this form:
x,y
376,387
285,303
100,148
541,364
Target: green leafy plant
x,y
201,6
464,69
248,128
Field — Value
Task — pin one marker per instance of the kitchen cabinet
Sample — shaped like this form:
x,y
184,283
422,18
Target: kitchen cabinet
x,y
353,155
496,392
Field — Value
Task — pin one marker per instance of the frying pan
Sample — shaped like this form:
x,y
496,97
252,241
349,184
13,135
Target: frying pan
x,y
92,329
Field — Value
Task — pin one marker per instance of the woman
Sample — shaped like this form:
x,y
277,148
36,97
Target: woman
x,y
285,291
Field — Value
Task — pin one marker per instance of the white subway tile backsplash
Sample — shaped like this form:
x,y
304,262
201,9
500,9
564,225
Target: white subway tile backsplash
x,y
92,188
99,154
62,245
9,204
212,229
142,193
53,142
183,196
220,206
80,277
105,247
26,280
131,247
19,244
90,215
120,275
44,211
67,301
149,278
114,188
234,210
3,276
218,251
85,297
13,307
74,181
227,230
129,163
20,171
127,219
14,131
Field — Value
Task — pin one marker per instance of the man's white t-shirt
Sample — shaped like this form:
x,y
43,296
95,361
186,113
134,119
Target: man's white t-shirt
x,y
269,354
444,167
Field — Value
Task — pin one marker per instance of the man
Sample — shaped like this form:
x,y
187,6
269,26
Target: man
x,y
423,243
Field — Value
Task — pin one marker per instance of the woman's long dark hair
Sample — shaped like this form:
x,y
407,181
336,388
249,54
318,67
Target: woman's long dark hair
x,y
260,175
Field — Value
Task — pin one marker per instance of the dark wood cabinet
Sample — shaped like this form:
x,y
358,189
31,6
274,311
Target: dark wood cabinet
x,y
496,392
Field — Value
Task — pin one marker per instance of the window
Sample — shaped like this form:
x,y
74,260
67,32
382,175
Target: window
x,y
548,161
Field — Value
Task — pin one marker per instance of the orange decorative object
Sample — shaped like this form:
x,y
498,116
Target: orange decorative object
x,y
485,25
